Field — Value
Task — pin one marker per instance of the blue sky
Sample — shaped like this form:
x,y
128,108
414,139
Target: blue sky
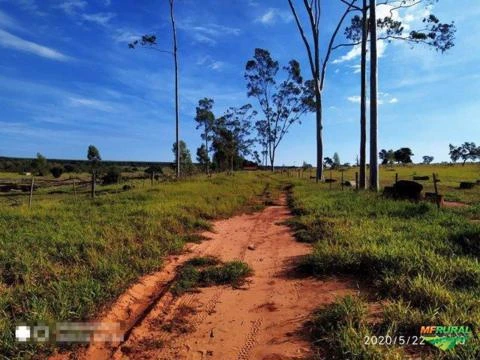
x,y
68,79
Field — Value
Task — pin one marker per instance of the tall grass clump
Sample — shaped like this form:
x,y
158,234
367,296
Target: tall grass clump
x,y
422,262
65,258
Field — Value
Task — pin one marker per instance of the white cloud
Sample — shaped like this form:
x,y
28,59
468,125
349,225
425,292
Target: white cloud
x,y
273,15
355,52
7,22
72,6
210,63
91,103
383,98
208,33
99,18
354,99
14,42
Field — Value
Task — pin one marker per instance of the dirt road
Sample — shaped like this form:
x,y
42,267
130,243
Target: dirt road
x,y
262,320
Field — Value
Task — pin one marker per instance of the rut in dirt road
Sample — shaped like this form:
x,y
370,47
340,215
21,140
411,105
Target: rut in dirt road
x,y
262,320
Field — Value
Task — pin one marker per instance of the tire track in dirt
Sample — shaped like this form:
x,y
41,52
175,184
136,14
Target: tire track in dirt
x,y
262,320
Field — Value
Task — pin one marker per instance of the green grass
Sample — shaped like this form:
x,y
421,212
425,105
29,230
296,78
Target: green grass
x,y
421,262
203,272
450,177
64,259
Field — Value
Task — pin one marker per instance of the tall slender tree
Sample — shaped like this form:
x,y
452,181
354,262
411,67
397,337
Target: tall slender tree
x,y
282,102
374,176
205,119
318,67
433,33
150,41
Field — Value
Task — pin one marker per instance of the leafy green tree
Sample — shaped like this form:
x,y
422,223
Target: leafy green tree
x,y
403,155
336,160
93,155
328,162
40,165
205,119
56,171
282,102
387,157
202,156
186,163
232,133
467,151
427,160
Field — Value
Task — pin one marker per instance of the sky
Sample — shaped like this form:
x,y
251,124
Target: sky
x,y
68,78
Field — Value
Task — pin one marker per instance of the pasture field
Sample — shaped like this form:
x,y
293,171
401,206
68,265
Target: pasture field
x,y
417,264
64,258
450,177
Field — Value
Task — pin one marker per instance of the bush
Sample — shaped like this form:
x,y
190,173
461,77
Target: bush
x,y
112,176
56,171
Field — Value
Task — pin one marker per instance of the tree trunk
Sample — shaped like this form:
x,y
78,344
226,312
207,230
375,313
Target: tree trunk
x,y
374,179
206,149
318,110
177,127
94,180
363,101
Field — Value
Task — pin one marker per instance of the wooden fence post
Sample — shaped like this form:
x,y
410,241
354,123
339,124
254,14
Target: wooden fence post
x,y
356,181
31,193
342,180
396,178
330,186
94,180
74,189
437,197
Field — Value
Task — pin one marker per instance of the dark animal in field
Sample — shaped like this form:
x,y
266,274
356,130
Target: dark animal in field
x,y
409,190
404,189
421,178
465,185
127,187
330,181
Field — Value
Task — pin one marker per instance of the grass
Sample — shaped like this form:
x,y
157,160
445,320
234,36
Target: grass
x,y
421,263
65,259
208,271
450,177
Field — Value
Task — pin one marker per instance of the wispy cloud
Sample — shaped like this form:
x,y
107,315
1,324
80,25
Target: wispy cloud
x,y
383,98
210,63
7,22
208,33
274,15
99,18
91,103
71,7
14,42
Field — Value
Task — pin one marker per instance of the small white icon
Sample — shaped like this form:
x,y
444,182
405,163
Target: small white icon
x,y
22,333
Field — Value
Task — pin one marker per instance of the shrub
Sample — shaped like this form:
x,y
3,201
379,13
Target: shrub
x,y
112,176
56,171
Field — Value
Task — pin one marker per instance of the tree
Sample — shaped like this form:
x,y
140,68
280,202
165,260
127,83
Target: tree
x,y
150,41
202,157
433,33
328,162
232,134
257,158
205,119
318,67
93,155
427,160
403,155
336,160
387,157
40,165
282,103
467,151
56,171
186,163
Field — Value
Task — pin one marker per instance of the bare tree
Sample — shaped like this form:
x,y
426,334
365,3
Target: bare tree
x,y
374,178
318,66
150,42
